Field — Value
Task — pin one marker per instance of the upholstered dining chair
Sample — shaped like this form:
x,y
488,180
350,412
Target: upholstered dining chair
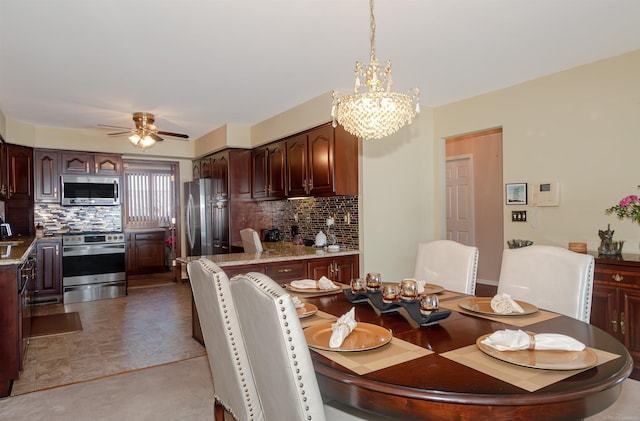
x,y
279,355
449,264
233,384
250,240
551,278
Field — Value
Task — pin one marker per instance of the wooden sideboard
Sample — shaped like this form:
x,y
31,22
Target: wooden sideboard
x,y
616,301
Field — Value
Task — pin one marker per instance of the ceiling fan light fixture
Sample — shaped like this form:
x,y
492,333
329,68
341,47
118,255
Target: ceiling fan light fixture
x,y
378,111
146,142
134,139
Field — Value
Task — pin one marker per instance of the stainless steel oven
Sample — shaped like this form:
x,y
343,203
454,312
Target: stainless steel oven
x,y
93,266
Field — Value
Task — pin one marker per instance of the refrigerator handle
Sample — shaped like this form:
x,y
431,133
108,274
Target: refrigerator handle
x,y
189,221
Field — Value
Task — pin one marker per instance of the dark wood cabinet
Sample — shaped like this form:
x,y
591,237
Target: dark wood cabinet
x,y
220,175
46,175
89,163
269,171
19,191
340,268
322,162
48,285
616,302
146,251
220,227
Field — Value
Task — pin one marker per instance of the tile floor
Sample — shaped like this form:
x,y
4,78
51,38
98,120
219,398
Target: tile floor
x,y
150,326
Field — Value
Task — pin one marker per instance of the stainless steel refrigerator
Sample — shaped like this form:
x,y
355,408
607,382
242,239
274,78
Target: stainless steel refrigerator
x,y
198,218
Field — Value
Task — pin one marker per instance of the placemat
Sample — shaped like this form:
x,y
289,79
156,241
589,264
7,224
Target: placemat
x,y
520,321
318,293
363,362
530,379
319,317
446,295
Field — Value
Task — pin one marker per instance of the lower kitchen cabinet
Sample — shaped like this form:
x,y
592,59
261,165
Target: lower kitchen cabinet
x,y
48,287
340,268
146,251
616,302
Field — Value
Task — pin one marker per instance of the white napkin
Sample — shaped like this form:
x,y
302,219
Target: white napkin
x,y
517,340
421,285
296,301
342,328
323,283
504,304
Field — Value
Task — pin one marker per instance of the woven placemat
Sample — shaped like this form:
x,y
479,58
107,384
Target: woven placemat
x,y
530,379
520,321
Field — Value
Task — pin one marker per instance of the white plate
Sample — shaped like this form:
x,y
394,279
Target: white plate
x,y
314,290
364,337
482,305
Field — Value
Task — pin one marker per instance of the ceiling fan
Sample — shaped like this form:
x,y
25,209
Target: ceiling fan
x,y
145,134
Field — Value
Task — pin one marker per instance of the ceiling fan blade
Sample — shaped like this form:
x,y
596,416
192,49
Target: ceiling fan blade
x,y
114,127
184,136
119,133
155,137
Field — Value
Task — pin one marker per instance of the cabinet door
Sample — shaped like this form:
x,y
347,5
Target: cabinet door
x,y
20,163
48,285
205,167
321,158
297,173
346,268
46,176
220,176
76,163
150,251
259,173
317,268
107,164
196,169
604,309
287,271
239,174
276,169
630,323
220,227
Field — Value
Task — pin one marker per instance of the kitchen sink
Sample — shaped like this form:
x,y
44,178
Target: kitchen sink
x,y
10,243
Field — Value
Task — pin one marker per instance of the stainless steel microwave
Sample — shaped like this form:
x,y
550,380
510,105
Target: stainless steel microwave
x,y
89,190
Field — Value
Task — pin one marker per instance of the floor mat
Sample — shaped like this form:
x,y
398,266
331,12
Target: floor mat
x,y
55,324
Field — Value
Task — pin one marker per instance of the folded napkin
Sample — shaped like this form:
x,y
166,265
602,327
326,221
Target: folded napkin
x,y
342,328
323,283
518,340
504,304
421,285
296,301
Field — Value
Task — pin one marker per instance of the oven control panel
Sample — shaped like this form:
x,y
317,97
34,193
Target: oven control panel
x,y
93,238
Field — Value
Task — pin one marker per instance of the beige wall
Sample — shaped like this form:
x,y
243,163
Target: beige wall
x,y
581,128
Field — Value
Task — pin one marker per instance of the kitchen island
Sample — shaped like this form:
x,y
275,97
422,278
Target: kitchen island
x,y
285,262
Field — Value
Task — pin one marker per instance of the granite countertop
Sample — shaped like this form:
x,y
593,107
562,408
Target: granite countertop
x,y
273,252
14,250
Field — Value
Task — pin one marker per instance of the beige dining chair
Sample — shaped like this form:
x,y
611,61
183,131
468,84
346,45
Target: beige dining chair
x,y
234,388
551,278
279,355
250,240
449,264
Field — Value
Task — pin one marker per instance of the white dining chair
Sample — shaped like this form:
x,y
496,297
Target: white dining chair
x,y
279,354
551,278
250,240
233,384
449,264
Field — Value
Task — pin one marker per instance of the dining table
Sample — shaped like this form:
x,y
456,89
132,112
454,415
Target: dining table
x,y
439,372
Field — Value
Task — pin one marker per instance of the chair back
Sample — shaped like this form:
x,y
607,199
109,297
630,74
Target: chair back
x,y
234,387
277,349
250,240
449,264
552,278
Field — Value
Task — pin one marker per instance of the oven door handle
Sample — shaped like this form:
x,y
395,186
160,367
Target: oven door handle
x,y
92,250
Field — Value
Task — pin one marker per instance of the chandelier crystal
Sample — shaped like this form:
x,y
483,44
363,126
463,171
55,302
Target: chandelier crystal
x,y
376,112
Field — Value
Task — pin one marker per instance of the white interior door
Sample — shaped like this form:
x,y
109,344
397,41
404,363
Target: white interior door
x,y
460,199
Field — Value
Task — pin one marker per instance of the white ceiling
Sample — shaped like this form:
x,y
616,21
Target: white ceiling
x,y
200,64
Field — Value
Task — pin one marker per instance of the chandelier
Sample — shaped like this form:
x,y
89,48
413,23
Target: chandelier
x,y
376,112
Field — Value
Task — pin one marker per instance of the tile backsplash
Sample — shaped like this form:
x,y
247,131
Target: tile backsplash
x,y
59,219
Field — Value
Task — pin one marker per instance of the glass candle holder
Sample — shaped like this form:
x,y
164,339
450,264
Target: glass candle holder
x,y
374,282
390,292
409,289
428,303
358,285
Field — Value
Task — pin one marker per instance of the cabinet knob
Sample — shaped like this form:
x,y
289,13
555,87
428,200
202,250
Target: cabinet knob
x,y
622,322
617,277
614,321
284,270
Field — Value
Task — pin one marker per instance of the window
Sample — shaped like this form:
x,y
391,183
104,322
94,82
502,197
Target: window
x,y
149,194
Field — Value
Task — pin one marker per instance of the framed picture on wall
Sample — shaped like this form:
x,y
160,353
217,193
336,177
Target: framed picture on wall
x,y
516,193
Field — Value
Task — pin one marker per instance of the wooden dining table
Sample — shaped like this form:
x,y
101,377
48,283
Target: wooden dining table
x,y
436,382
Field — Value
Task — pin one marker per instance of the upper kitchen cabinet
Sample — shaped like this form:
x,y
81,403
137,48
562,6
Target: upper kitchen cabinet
x,y
205,168
220,175
322,162
88,163
18,172
269,171
46,175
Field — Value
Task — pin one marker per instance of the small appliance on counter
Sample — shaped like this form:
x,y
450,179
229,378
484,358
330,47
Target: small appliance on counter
x,y
296,237
5,230
271,235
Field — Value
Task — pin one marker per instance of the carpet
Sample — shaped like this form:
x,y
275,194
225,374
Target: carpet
x,y
55,324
